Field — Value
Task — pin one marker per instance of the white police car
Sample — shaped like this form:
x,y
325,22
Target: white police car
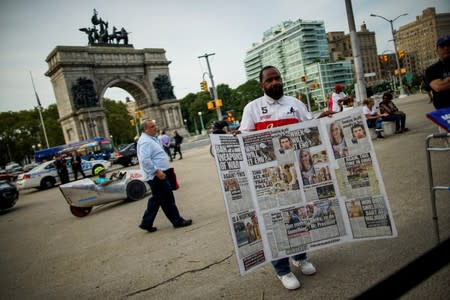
x,y
45,176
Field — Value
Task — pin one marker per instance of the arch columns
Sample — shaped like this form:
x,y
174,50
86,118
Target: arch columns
x,y
133,70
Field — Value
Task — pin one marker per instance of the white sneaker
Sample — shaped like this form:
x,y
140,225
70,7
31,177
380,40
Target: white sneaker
x,y
290,281
305,266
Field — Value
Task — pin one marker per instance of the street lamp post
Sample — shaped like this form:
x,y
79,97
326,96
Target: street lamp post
x,y
402,90
214,90
201,120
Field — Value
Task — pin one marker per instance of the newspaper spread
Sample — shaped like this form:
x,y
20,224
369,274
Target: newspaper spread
x,y
301,187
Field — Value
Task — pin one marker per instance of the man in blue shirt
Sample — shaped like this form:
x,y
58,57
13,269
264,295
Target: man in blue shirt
x,y
154,162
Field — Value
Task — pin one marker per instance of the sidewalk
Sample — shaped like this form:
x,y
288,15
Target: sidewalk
x,y
46,253
343,271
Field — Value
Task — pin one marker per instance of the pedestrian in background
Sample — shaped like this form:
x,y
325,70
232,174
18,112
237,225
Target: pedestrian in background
x,y
154,162
165,142
61,168
76,165
270,111
373,118
177,146
437,76
338,99
394,114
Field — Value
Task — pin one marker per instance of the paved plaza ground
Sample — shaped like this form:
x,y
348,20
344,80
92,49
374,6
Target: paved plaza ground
x,y
46,253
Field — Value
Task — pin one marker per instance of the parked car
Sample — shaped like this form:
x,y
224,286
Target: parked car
x,y
126,156
13,167
30,166
45,176
9,176
8,194
84,194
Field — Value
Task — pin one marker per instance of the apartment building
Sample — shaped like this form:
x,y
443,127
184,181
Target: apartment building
x,y
299,49
417,39
340,48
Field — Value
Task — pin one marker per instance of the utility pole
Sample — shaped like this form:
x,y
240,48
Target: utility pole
x,y
402,90
360,92
40,111
219,112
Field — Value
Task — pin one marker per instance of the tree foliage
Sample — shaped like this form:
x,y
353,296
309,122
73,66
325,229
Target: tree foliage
x,y
232,99
118,121
20,131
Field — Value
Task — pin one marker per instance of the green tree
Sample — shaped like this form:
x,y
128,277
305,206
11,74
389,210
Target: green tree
x,y
118,121
243,94
185,105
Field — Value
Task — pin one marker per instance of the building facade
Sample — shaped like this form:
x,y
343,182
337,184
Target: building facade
x,y
417,39
300,51
340,48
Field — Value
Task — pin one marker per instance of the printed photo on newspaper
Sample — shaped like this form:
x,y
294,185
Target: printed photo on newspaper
x,y
301,187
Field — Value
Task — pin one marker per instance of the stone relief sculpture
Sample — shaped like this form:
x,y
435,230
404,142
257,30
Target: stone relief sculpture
x,y
163,87
83,93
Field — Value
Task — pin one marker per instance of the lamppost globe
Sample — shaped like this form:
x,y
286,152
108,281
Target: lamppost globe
x,y
201,120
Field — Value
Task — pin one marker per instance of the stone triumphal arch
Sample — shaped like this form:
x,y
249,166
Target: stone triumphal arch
x,y
80,76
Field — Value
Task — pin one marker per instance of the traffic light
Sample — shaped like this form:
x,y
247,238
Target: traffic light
x,y
230,116
138,114
204,86
218,102
303,78
132,123
210,105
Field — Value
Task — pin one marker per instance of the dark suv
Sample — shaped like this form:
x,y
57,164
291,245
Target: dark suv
x,y
126,156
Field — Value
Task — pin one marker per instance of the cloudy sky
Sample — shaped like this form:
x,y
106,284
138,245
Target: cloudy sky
x,y
30,30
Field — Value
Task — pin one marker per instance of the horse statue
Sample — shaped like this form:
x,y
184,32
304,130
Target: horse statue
x,y
119,35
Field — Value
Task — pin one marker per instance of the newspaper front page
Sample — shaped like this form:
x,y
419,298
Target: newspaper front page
x,y
301,187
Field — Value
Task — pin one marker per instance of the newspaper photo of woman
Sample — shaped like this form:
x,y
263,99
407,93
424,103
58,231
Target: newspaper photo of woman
x,y
337,140
307,168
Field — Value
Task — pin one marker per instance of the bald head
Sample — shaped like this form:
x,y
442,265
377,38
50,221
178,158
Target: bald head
x,y
149,127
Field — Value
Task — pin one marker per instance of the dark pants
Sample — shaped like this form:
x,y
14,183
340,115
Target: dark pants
x,y
397,119
177,149
375,123
167,149
282,267
77,169
162,196
63,175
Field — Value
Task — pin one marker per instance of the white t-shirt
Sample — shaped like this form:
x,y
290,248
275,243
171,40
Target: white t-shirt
x,y
367,111
265,112
336,97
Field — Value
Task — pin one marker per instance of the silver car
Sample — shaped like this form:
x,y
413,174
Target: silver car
x,y
84,194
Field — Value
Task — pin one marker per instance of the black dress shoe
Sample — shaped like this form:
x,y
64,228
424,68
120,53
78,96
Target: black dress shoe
x,y
149,229
183,223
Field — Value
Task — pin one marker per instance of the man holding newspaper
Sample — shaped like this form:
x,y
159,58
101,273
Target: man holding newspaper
x,y
274,109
